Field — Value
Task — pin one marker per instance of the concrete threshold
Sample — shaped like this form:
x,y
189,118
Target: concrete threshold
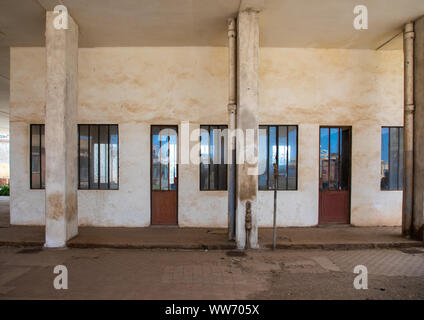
x,y
343,238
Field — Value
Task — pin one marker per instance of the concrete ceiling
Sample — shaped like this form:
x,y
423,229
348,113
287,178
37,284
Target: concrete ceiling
x,y
283,23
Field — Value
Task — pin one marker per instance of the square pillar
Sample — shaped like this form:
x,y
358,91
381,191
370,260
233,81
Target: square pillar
x,y
61,132
247,123
418,193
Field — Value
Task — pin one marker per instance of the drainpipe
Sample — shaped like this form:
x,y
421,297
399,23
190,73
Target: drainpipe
x,y
232,108
408,165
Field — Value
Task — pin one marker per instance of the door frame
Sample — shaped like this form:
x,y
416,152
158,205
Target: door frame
x,y
349,176
172,126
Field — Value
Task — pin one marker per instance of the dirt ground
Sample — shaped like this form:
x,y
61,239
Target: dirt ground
x,y
27,273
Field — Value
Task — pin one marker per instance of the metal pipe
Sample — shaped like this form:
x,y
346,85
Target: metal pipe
x,y
408,164
232,107
274,242
248,222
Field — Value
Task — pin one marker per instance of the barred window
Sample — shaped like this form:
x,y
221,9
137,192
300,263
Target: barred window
x,y
277,144
98,156
37,157
391,158
213,150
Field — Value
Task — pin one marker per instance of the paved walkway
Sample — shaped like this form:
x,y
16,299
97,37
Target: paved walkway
x,y
334,237
259,274
204,238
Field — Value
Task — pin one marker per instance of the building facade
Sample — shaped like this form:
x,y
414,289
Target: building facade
x,y
323,114
309,88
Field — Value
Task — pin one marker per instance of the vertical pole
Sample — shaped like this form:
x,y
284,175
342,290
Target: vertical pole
x,y
417,228
274,243
408,166
232,107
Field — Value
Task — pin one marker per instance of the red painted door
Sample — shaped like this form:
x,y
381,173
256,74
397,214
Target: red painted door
x,y
164,175
334,175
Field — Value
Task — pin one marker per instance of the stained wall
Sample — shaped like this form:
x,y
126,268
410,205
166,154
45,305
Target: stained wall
x,y
138,87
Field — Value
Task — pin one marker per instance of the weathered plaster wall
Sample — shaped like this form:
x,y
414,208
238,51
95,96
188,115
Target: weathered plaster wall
x,y
27,105
133,87
313,87
137,87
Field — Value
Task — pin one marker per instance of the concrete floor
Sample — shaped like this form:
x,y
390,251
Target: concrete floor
x,y
159,274
333,237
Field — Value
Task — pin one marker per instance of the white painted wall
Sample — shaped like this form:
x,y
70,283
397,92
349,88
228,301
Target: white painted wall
x,y
137,87
313,87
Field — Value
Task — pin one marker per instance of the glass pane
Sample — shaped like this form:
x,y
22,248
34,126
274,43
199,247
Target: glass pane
x,y
155,159
83,156
43,158
204,158
282,158
263,146
214,158
334,158
104,156
393,158
164,159
113,157
323,158
94,157
384,159
292,158
345,159
35,157
272,155
222,169
400,177
173,159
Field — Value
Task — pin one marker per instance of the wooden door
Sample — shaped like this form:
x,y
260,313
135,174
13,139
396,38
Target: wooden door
x,y
164,175
334,175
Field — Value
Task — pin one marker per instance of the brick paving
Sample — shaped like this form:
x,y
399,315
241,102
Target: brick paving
x,y
165,274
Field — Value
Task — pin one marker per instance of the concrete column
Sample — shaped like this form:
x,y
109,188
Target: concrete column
x,y
247,122
418,195
408,178
61,132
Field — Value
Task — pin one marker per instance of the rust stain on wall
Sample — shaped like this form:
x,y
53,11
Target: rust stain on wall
x,y
54,206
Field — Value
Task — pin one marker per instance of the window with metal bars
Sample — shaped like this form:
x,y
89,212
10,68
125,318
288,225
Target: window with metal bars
x,y
391,158
98,161
213,151
277,144
37,157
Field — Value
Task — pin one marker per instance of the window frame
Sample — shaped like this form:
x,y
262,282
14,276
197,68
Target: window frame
x,y
40,125
200,157
399,152
349,175
267,155
89,188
